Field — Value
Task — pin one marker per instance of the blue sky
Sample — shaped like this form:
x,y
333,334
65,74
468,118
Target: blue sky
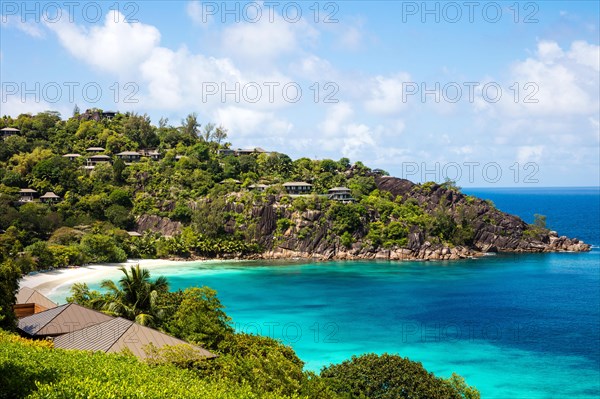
x,y
486,93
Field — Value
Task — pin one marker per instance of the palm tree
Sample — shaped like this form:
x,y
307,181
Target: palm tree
x,y
135,295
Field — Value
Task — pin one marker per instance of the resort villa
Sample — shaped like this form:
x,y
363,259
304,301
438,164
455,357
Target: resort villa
x,y
129,156
240,151
8,131
258,187
30,301
95,150
94,160
49,198
71,157
342,194
297,188
27,195
72,326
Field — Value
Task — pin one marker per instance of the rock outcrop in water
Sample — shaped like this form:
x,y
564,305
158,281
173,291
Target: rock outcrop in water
x,y
494,231
310,233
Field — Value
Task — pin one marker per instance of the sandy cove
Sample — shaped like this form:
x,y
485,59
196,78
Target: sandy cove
x,y
48,282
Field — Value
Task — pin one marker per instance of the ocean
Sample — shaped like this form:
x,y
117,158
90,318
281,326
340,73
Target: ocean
x,y
515,326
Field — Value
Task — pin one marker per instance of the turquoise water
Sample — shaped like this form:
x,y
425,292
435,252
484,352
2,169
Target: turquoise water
x,y
516,326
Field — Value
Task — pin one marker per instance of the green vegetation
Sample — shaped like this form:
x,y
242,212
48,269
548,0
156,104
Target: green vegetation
x,y
199,193
392,377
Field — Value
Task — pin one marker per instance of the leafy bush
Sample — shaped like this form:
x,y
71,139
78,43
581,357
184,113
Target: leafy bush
x,y
346,217
386,377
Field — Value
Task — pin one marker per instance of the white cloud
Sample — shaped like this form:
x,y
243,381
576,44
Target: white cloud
x,y
337,115
554,83
248,124
549,51
116,47
266,40
357,137
30,28
386,94
195,11
585,54
529,153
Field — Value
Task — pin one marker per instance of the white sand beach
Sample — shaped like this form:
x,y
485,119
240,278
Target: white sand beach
x,y
48,282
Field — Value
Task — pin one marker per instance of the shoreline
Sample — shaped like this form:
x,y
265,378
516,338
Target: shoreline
x,y
50,281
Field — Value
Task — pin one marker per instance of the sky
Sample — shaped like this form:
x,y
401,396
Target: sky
x,y
483,93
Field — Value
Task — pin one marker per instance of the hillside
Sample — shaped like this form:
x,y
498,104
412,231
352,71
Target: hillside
x,y
100,187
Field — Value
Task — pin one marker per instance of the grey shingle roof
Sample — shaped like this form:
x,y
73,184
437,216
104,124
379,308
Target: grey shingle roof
x,y
29,295
61,320
118,334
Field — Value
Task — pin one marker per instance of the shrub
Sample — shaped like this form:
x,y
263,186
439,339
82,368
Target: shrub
x,y
386,377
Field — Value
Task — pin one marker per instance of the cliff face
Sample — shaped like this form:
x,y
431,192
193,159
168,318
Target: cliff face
x,y
311,233
493,230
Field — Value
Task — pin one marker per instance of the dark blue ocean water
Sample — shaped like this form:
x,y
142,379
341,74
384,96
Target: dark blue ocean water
x,y
516,326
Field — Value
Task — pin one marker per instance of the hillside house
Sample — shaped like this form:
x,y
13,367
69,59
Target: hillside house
x,y
49,198
129,156
8,131
94,160
30,301
95,150
71,157
258,187
298,188
27,195
342,194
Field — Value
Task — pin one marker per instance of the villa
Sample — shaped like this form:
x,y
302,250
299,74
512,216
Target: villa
x,y
94,160
240,151
72,326
71,157
30,301
258,187
8,131
129,156
60,320
27,195
120,334
342,194
297,188
49,198
95,150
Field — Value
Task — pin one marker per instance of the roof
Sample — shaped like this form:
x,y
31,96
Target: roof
x,y
49,194
27,190
61,320
117,334
339,189
29,295
99,157
71,155
130,153
10,129
258,186
134,234
95,149
296,183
